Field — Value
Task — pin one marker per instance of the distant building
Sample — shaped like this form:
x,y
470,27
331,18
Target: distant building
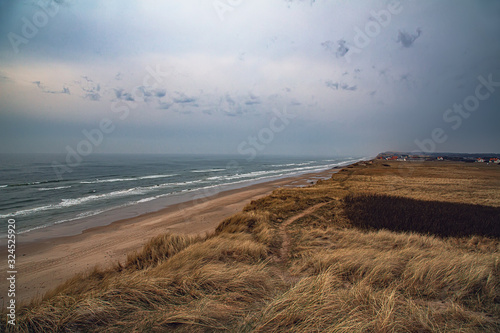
x,y
440,158
495,160
480,160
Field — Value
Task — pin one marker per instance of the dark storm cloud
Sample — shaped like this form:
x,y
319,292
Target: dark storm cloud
x,y
149,92
38,84
345,86
342,49
121,94
407,39
65,90
92,97
184,99
164,105
230,106
338,48
160,93
152,95
253,100
92,90
332,85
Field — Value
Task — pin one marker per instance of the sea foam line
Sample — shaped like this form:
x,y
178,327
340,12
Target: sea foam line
x,y
271,174
113,180
72,202
292,164
32,183
156,176
78,201
208,170
143,190
53,188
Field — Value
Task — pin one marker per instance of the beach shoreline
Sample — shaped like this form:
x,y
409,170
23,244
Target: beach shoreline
x,y
123,214
49,256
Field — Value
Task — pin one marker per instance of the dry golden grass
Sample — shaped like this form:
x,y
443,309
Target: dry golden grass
x,y
159,249
206,286
339,275
472,183
323,303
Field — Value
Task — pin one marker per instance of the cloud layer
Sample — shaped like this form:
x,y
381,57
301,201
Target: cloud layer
x,y
359,76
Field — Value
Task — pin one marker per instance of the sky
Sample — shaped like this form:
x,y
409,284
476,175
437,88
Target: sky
x,y
249,77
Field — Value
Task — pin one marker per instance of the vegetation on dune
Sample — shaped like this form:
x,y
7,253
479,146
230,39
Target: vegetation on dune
x,y
159,249
358,261
445,219
207,286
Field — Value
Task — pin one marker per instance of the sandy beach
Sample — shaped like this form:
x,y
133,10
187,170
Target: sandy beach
x,y
45,262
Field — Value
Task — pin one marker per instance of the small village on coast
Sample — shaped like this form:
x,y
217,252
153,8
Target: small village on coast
x,y
455,157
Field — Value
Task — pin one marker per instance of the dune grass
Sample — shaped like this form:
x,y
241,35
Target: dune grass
x,y
361,261
445,219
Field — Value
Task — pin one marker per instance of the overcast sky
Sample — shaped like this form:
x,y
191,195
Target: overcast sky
x,y
289,77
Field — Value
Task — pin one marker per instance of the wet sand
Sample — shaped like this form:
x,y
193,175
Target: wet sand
x,y
45,259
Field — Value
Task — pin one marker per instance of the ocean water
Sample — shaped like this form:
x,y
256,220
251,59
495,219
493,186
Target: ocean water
x,y
32,193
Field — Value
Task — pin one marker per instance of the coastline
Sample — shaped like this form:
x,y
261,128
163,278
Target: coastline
x,y
271,259
48,257
55,226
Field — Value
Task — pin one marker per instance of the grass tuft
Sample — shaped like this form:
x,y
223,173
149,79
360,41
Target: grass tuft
x,y
158,249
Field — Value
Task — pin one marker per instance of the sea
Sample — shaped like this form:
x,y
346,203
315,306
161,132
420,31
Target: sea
x,y
40,191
